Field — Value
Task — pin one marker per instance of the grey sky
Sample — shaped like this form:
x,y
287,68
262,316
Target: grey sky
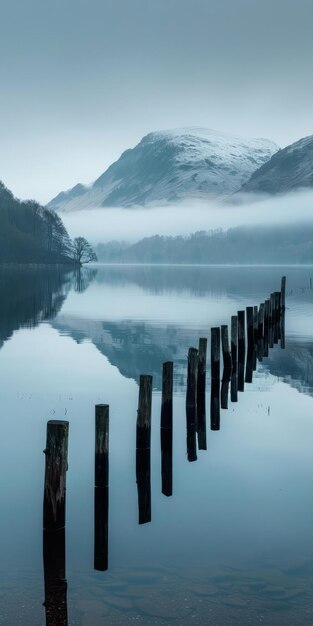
x,y
82,80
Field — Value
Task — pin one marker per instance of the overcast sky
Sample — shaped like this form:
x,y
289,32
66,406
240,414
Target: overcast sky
x,y
82,80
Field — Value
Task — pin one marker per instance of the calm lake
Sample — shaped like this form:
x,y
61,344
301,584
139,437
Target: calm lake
x,y
234,544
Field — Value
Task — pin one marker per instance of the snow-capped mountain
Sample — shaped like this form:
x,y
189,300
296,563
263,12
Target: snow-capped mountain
x,y
172,165
290,168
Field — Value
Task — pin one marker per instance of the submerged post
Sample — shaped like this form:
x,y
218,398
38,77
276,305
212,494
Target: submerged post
x,y
191,411
241,350
201,381
215,378
101,495
167,429
54,504
143,445
227,361
234,357
283,293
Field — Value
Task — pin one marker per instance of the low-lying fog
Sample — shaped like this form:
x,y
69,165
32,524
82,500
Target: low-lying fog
x,y
107,224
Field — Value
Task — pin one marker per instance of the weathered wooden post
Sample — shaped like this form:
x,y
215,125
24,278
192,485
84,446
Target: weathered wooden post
x,y
215,378
143,445
101,495
227,362
260,345
271,321
55,475
283,293
201,382
167,429
191,400
241,350
250,352
54,505
266,328
255,335
234,358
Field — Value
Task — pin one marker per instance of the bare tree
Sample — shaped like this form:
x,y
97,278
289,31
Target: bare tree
x,y
83,252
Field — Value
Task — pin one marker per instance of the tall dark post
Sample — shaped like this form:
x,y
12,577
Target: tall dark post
x,y
56,452
241,350
143,445
191,411
234,358
283,293
271,321
215,378
255,335
266,327
201,381
101,495
167,429
227,361
250,335
55,475
260,345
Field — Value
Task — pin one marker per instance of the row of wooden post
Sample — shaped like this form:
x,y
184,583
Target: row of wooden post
x,y
264,325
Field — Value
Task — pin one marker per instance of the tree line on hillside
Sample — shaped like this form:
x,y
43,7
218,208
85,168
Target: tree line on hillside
x,y
31,233
240,245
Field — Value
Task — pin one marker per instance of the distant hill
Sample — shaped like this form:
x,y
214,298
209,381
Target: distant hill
x,y
289,169
169,166
30,233
241,245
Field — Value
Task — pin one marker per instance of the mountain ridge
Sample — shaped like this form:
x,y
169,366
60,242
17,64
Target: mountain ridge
x,y
169,166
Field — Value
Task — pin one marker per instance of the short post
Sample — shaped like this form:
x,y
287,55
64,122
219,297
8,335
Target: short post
x,y
167,429
241,350
143,445
215,378
201,382
101,495
234,357
191,398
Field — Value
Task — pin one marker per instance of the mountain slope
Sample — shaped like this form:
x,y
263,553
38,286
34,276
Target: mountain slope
x,y
171,165
290,168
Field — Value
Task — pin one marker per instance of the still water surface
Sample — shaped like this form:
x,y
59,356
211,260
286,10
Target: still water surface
x,y
234,544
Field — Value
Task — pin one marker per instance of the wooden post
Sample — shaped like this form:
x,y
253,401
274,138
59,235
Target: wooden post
x,y
191,411
234,357
227,359
250,325
201,382
251,351
54,505
241,350
283,293
55,475
255,324
266,327
101,495
54,576
143,444
282,330
215,378
167,429
260,346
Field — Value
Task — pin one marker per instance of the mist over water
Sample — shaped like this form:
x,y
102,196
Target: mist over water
x,y
101,225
